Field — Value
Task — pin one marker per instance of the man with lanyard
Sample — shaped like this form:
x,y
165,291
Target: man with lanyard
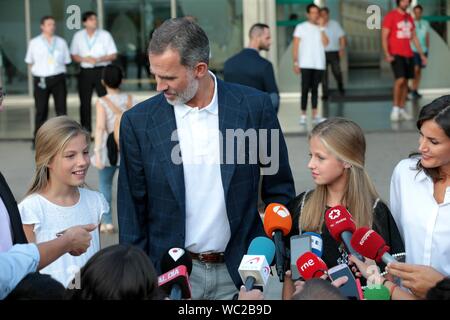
x,y
93,49
423,34
397,34
48,55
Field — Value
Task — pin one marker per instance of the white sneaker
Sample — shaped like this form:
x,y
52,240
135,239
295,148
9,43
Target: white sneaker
x,y
319,119
302,119
405,115
395,115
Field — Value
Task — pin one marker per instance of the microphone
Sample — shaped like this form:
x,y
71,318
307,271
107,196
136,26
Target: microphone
x,y
278,223
311,266
371,245
255,265
316,243
377,293
341,227
176,265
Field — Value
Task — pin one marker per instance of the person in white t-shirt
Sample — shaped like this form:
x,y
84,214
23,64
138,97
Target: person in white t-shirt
x,y
308,53
56,199
93,49
47,55
333,52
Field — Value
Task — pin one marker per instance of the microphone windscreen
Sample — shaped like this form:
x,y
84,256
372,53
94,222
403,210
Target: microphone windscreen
x,y
338,220
311,266
379,292
175,257
262,246
369,244
277,217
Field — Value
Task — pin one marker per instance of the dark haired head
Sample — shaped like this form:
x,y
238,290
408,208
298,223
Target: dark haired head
x,y
398,2
87,15
183,36
45,18
318,289
119,272
36,286
257,29
441,291
325,9
418,7
112,76
310,6
439,111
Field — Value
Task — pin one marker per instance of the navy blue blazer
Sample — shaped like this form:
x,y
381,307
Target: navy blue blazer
x,y
250,69
151,191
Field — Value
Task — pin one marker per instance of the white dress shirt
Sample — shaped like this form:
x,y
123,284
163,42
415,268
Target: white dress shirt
x,y
334,32
207,225
98,45
423,223
311,52
47,59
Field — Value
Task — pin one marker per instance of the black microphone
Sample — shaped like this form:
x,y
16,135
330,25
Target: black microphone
x,y
176,265
278,223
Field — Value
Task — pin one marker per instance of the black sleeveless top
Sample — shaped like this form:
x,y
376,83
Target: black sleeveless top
x,y
334,253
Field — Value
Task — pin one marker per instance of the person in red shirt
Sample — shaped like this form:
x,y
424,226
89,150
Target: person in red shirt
x,y
397,33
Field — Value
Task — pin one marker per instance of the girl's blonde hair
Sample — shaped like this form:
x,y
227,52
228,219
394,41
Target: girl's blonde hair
x,y
344,139
51,139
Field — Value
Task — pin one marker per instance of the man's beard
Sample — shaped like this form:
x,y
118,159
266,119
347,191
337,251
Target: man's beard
x,y
187,94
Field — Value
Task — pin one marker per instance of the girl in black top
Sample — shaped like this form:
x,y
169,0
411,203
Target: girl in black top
x,y
337,152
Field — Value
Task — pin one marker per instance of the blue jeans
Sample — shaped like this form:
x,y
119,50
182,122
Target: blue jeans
x,y
105,177
211,281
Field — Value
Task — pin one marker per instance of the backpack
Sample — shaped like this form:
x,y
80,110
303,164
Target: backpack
x,y
112,141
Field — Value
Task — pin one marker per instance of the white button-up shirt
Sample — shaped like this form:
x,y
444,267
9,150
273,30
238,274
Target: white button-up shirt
x,y
98,45
207,225
423,223
47,59
334,32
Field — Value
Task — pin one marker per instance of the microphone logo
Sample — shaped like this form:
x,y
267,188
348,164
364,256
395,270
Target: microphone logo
x,y
279,210
365,237
254,260
176,253
334,214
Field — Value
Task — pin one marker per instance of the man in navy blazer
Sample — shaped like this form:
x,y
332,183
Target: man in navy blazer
x,y
184,181
250,69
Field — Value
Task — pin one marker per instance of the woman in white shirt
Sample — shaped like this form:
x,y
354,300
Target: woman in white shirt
x,y
109,110
420,191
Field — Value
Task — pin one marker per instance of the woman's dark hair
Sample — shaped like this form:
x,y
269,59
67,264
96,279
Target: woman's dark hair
x,y
36,286
439,111
112,76
119,272
441,291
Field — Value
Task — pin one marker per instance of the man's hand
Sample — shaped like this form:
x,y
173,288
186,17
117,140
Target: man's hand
x,y
78,238
254,294
424,59
90,60
296,69
418,278
389,58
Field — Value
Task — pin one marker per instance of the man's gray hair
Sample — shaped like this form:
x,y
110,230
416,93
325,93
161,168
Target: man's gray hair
x,y
184,36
